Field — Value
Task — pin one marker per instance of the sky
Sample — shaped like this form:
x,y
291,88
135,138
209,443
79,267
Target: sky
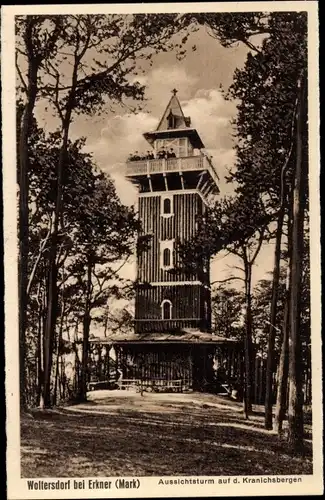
x,y
199,78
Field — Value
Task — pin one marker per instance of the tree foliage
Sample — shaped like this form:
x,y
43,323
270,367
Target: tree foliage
x,y
271,153
96,229
93,59
266,89
227,312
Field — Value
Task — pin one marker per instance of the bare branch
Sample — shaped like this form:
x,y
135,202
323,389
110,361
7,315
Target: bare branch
x,y
232,278
38,258
237,267
122,265
21,52
20,74
56,76
286,162
252,46
258,247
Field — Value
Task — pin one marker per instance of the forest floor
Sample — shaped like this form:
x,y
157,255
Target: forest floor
x,y
121,433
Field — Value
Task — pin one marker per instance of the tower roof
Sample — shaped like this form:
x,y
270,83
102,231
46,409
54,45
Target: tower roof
x,y
175,124
173,116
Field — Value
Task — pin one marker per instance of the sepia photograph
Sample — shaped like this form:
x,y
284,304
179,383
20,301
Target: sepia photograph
x,y
162,250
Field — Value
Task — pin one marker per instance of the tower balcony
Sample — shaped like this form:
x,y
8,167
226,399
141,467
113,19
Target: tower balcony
x,y
139,171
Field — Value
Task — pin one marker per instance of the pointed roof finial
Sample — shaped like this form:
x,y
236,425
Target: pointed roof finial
x,y
174,91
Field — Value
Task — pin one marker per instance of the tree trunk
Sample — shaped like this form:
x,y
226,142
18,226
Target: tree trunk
x,y
23,155
281,407
58,355
39,354
99,352
52,281
270,368
85,357
107,363
295,403
52,290
49,330
248,341
56,376
282,386
85,342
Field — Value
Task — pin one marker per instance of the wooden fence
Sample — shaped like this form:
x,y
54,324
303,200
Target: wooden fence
x,y
259,382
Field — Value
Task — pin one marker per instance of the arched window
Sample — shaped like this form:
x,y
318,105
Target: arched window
x,y
166,254
166,257
167,206
166,309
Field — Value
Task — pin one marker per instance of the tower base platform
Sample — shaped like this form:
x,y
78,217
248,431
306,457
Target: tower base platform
x,y
175,362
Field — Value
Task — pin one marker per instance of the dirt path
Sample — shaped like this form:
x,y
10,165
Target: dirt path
x,y
124,433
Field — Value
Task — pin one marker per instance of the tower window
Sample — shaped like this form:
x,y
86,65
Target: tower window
x,y
166,208
166,309
166,254
166,257
171,120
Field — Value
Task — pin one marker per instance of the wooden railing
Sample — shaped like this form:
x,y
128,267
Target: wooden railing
x,y
154,385
184,164
165,325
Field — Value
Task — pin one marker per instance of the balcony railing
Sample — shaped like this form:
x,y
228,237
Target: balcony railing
x,y
184,164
